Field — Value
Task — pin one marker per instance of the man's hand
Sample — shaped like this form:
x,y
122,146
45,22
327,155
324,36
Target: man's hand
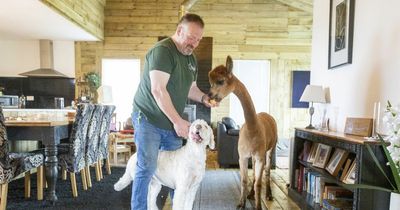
x,y
208,102
182,128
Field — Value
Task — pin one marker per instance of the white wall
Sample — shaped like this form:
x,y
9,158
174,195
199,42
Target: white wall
x,y
17,56
64,57
374,74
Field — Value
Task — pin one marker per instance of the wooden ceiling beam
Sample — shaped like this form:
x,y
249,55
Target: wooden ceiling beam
x,y
186,6
304,5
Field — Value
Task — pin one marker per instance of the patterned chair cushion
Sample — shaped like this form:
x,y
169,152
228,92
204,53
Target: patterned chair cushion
x,y
93,135
26,161
105,130
72,154
13,164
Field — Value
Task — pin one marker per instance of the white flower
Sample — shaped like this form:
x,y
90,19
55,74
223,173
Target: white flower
x,y
391,119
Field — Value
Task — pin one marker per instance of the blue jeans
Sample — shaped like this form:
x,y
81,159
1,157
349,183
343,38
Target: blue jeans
x,y
149,140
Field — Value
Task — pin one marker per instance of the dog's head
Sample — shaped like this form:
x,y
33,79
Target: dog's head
x,y
221,80
200,132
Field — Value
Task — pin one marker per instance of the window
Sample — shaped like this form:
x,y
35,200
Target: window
x,y
123,76
255,75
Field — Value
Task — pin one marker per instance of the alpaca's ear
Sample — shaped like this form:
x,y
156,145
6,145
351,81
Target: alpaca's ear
x,y
229,64
211,142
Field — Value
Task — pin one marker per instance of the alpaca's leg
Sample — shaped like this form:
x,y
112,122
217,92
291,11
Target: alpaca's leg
x,y
243,163
251,193
268,192
259,167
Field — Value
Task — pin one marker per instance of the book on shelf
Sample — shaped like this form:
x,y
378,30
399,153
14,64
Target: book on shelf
x,y
338,204
300,179
336,192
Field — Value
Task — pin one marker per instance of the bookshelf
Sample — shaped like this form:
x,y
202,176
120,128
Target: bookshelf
x,y
366,171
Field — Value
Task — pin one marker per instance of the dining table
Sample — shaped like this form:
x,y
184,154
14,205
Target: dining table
x,y
49,132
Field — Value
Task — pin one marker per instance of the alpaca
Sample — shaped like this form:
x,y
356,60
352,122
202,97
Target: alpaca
x,y
257,137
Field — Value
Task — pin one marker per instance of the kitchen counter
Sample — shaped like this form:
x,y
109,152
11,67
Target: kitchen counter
x,y
37,114
38,110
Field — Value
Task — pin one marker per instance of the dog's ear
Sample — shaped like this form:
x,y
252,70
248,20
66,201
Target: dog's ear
x,y
229,64
211,142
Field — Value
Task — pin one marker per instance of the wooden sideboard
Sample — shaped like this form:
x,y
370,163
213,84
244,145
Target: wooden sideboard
x,y
366,170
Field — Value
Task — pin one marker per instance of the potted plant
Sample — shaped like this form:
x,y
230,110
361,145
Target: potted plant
x,y
391,147
93,80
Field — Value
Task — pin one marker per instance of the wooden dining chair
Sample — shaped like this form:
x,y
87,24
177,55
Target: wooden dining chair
x,y
120,143
72,154
103,143
14,164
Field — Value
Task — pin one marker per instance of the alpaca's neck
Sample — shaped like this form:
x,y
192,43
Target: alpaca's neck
x,y
249,111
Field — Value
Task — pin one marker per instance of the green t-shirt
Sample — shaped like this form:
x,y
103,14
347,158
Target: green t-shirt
x,y
164,56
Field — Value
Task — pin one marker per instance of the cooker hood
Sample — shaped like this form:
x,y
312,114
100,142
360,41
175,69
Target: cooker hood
x,y
46,62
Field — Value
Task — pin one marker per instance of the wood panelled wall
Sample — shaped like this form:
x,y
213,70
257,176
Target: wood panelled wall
x,y
88,14
245,29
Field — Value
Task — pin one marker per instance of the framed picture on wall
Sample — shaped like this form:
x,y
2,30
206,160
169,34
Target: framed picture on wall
x,y
341,24
300,79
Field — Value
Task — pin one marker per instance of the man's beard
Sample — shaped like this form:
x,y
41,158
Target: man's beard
x,y
188,50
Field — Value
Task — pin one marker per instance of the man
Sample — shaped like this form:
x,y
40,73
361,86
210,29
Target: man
x,y
169,78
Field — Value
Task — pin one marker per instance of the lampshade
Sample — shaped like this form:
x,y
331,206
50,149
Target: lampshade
x,y
105,94
313,93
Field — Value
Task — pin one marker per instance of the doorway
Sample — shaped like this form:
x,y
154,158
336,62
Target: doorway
x,y
255,75
123,76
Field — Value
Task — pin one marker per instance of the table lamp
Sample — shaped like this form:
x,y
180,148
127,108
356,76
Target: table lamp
x,y
313,94
105,94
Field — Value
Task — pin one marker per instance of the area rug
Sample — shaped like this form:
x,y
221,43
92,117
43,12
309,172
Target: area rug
x,y
100,196
220,189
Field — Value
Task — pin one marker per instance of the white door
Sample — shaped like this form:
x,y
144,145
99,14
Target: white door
x,y
255,75
123,76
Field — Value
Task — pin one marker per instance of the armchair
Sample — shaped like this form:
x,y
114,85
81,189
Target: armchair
x,y
227,142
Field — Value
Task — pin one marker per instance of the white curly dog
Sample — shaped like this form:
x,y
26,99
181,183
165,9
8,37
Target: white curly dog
x,y
182,169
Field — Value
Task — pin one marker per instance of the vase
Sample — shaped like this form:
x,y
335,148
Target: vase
x,y
394,201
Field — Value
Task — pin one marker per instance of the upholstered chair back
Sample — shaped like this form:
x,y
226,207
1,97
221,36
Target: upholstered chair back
x,y
105,130
3,139
6,171
75,160
93,136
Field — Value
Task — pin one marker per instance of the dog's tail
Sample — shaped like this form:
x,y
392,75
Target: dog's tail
x,y
127,178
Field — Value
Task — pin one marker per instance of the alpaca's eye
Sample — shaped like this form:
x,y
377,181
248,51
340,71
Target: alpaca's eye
x,y
220,82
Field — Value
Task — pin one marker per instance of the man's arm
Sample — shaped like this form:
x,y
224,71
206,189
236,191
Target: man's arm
x,y
197,95
159,80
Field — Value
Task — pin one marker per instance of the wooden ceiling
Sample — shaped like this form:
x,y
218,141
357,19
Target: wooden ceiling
x,y
304,5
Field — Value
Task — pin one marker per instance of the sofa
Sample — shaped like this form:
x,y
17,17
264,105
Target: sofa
x,y
227,144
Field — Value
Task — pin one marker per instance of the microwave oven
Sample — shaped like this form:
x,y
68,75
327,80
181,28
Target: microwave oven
x,y
9,101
